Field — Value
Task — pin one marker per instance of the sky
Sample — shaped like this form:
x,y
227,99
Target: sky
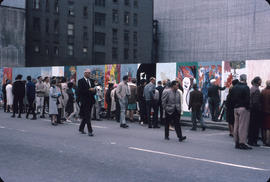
x,y
14,3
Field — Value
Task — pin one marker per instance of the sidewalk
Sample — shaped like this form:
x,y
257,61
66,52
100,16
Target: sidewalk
x,y
221,125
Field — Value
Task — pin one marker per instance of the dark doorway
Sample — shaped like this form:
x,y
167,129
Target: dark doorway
x,y
146,71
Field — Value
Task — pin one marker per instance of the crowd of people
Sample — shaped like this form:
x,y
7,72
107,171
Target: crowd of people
x,y
247,110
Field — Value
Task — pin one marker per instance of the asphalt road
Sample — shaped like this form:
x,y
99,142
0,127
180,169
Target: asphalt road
x,y
35,151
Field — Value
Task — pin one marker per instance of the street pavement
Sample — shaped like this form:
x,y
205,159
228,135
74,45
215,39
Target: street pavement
x,y
36,151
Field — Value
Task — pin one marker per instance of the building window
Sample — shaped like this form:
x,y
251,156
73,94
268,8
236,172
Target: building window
x,y
135,38
126,54
56,6
114,53
100,38
70,50
115,36
47,52
36,49
115,1
85,11
85,33
47,6
71,10
36,24
100,57
135,19
70,29
85,50
115,16
127,2
56,27
126,18
126,37
56,50
100,19
100,3
36,4
47,26
135,54
135,3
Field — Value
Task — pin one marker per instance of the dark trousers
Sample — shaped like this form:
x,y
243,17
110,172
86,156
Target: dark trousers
x,y
149,105
254,126
86,119
173,118
214,108
160,108
17,105
117,111
46,104
5,103
108,114
196,114
142,106
31,109
59,115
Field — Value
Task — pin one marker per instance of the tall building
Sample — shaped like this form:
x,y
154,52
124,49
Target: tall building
x,y
12,36
87,32
213,30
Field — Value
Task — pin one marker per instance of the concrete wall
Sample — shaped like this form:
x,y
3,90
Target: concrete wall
x,y
213,30
12,37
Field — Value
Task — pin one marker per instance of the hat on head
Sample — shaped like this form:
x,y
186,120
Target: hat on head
x,y
87,71
213,81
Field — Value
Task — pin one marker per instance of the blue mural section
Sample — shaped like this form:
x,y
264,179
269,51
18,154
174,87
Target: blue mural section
x,y
130,70
33,72
97,72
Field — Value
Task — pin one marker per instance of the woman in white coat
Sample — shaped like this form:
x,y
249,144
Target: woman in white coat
x,y
9,95
55,93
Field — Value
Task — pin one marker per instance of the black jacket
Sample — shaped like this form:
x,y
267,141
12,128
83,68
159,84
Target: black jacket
x,y
160,90
196,100
86,97
213,92
240,96
18,89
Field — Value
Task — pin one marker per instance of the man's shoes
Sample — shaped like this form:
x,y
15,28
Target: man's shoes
x,y
243,146
203,128
13,116
150,126
167,138
19,116
182,138
156,127
193,129
42,116
34,118
231,135
123,125
82,132
90,134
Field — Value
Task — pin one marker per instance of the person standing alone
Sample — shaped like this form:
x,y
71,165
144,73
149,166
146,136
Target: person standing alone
x,y
86,92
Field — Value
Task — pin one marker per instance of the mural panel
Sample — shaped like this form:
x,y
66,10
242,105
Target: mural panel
x,y
70,73
166,71
33,72
187,73
97,72
112,73
7,74
130,70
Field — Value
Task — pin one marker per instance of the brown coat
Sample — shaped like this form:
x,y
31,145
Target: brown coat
x,y
265,99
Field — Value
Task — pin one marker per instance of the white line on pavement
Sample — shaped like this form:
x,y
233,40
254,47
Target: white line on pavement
x,y
214,134
2,127
199,159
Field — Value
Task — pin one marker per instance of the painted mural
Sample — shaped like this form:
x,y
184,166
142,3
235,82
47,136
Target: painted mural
x,y
7,74
255,69
33,72
187,73
208,71
70,73
58,71
97,72
46,72
130,70
166,71
112,73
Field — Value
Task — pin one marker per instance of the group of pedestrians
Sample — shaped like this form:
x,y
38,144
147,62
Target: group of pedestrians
x,y
248,110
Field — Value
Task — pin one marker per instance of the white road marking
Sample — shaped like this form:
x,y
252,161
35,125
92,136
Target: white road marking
x,y
199,159
2,127
113,143
214,134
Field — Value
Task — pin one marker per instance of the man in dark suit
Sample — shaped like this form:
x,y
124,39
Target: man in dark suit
x,y
18,91
86,92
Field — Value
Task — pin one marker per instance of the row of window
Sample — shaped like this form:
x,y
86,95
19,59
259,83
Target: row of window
x,y
102,3
70,52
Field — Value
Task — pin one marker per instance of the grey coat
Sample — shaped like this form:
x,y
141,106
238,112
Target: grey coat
x,y
53,97
149,91
171,101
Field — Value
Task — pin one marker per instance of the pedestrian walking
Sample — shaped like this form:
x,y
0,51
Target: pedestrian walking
x,y
265,98
214,99
195,104
18,90
255,112
86,92
241,104
31,96
171,102
122,93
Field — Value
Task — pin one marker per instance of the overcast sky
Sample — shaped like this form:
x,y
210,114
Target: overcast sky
x,y
14,3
